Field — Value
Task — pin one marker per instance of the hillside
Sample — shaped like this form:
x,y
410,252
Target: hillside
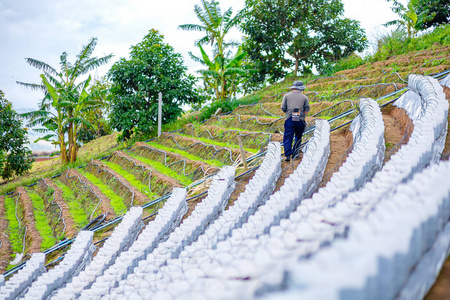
x,y
47,215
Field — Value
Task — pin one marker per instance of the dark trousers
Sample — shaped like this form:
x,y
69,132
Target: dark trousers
x,y
290,129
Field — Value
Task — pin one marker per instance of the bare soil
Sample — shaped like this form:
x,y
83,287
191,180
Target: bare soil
x,y
105,205
446,152
71,227
441,288
341,143
139,197
287,168
240,187
397,129
5,249
33,238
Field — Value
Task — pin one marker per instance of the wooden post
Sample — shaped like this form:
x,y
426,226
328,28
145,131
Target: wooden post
x,y
159,112
241,148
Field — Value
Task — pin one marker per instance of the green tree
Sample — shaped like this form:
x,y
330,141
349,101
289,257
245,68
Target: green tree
x,y
408,16
66,99
432,13
300,34
153,67
216,26
100,92
15,157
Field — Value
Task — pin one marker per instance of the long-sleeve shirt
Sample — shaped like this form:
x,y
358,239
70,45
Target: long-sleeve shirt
x,y
295,99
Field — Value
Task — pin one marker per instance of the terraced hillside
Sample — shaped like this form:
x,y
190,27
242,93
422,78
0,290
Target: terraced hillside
x,y
216,228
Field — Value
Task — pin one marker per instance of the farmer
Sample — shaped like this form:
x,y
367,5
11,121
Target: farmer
x,y
296,107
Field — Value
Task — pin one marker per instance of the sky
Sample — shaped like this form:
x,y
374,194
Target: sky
x,y
44,29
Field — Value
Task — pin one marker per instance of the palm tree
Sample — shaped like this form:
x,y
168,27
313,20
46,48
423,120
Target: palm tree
x,y
408,16
216,26
65,101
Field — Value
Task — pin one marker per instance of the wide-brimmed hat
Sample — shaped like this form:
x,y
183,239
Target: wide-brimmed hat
x,y
298,85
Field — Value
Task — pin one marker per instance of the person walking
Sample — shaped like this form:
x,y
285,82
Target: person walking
x,y
296,106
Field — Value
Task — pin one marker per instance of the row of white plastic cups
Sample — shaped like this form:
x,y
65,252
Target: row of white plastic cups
x,y
174,208
123,235
256,191
190,228
385,246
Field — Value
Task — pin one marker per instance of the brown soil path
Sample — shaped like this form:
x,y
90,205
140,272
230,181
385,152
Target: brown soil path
x,y
71,227
340,146
446,152
33,238
287,168
240,187
5,249
105,205
139,197
397,129
441,288
174,157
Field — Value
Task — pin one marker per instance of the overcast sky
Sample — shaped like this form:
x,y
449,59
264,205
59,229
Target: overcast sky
x,y
44,29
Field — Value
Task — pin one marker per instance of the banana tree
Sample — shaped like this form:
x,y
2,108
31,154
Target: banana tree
x,y
408,16
65,101
223,76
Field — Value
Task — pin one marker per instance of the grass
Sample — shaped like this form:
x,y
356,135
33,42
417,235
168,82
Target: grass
x,y
211,162
42,225
77,212
116,201
160,167
131,179
14,231
220,144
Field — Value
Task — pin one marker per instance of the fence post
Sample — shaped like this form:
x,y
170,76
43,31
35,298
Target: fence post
x,y
159,112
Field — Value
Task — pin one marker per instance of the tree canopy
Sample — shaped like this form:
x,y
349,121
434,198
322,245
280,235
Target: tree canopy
x,y
301,34
433,13
15,157
153,67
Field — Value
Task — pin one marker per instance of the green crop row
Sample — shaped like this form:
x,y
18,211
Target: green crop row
x,y
211,162
42,225
160,167
14,230
76,210
221,144
131,179
116,201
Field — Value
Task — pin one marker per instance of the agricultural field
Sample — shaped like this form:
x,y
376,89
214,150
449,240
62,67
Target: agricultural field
x,y
46,209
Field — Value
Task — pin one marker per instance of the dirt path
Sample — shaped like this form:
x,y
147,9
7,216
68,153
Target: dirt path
x,y
287,168
340,146
105,205
5,248
397,129
240,187
441,288
139,197
33,238
446,152
71,227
